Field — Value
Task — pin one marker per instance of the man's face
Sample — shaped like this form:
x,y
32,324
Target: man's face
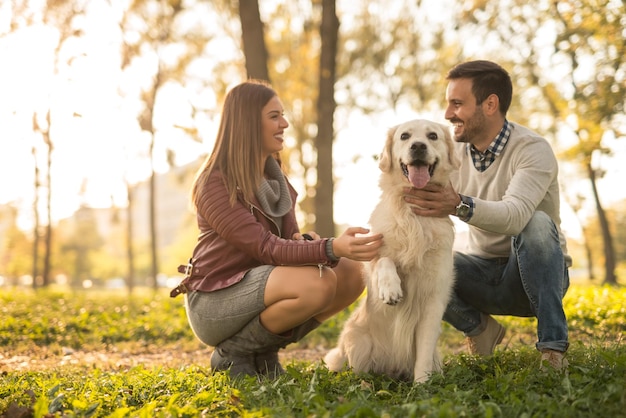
x,y
465,115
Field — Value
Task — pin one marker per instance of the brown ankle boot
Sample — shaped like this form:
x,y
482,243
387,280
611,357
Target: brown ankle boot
x,y
484,343
554,359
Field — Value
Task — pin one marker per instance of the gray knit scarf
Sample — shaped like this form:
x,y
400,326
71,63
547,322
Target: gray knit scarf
x,y
273,194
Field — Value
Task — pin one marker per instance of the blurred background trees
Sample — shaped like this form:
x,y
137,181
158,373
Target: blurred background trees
x,y
118,102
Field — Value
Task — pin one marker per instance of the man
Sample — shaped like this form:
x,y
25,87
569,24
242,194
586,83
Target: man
x,y
507,191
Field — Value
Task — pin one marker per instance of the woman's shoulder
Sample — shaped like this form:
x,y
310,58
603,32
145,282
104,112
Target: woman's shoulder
x,y
215,178
213,184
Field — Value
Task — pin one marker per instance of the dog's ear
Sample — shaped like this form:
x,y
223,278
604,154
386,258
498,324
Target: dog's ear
x,y
452,156
384,162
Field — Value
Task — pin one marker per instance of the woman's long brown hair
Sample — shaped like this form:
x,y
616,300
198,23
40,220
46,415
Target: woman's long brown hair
x,y
237,149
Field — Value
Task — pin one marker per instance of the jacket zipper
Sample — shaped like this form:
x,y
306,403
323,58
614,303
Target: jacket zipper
x,y
253,207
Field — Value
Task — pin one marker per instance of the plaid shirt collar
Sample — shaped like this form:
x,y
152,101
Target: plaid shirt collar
x,y
482,160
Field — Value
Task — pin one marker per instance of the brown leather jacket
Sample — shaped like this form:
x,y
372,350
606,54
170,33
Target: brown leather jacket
x,y
235,239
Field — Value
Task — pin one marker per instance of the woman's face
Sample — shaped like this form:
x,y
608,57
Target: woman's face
x,y
273,125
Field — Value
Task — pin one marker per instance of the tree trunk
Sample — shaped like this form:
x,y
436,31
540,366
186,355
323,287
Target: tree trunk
x,y
48,237
153,227
588,254
252,34
45,276
147,124
607,239
130,255
35,269
329,30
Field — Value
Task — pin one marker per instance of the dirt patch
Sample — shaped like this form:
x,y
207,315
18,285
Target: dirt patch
x,y
44,360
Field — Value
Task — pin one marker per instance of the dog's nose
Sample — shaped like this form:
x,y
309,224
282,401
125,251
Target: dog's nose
x,y
418,149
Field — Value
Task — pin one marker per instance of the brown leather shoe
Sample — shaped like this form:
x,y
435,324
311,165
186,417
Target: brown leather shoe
x,y
554,359
484,343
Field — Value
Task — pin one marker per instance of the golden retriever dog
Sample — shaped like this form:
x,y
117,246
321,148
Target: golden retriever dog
x,y
395,328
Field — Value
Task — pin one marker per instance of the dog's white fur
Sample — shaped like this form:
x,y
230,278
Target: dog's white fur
x,y
395,329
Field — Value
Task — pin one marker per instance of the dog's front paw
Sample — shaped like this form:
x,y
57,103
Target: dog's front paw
x,y
388,282
390,294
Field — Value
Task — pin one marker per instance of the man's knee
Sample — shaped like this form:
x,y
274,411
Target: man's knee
x,y
539,241
539,223
540,230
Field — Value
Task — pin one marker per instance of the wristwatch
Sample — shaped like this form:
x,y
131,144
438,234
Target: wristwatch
x,y
462,209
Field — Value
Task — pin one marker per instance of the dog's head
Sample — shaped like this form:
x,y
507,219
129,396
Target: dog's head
x,y
421,151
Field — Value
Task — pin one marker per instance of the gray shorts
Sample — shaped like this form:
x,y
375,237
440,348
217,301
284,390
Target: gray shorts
x,y
216,316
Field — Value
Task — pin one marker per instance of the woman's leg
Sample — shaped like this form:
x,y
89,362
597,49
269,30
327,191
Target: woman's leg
x,y
311,300
294,295
296,300
350,285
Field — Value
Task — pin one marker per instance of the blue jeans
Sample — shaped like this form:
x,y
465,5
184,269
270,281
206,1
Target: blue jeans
x,y
530,282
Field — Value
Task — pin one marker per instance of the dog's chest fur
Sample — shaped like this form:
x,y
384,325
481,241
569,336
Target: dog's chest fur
x,y
399,226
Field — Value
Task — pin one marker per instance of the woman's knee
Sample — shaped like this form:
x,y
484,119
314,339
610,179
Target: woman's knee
x,y
351,279
320,291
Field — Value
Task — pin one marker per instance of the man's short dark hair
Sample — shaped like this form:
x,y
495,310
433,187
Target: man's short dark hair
x,y
487,78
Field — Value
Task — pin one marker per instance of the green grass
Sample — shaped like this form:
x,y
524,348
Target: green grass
x,y
45,325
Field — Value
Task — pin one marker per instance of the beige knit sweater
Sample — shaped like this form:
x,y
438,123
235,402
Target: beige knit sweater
x,y
523,179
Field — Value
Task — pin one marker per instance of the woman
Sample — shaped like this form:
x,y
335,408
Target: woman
x,y
254,283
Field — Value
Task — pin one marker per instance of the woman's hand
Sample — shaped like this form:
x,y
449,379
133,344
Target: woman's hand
x,y
361,248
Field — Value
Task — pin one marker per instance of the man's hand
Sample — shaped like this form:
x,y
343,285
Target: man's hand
x,y
433,200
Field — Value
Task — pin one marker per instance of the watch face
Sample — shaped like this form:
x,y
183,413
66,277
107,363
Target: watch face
x,y
462,210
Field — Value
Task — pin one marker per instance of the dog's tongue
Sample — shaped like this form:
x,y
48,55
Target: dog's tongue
x,y
418,176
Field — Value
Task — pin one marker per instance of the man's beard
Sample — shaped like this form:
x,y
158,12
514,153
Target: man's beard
x,y
472,127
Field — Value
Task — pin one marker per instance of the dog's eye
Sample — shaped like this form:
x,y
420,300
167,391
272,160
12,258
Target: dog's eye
x,y
433,136
405,135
